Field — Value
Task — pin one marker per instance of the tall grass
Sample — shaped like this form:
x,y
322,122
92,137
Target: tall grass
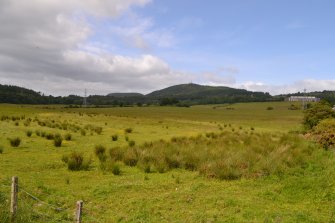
x,y
225,155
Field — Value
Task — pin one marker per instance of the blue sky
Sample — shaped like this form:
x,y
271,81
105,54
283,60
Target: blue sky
x,y
276,42
143,45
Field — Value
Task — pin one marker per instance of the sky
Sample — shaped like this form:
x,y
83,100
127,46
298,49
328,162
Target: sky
x,y
63,47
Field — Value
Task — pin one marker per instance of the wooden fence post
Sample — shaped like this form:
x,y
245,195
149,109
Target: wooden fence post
x,y
13,201
79,209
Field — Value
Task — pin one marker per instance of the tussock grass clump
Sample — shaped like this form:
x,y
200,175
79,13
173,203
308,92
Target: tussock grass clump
x,y
49,136
131,143
100,152
58,141
1,149
29,133
115,137
98,130
83,132
68,137
128,130
76,161
15,142
224,155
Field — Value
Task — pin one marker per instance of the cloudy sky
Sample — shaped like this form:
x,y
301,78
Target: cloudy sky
x,y
61,47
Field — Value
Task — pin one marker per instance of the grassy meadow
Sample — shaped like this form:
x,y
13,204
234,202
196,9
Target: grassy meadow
x,y
212,163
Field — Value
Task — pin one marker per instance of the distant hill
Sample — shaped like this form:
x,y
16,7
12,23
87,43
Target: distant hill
x,y
183,94
201,94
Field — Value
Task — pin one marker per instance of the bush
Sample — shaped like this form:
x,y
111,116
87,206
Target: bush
x,y
15,142
76,161
128,130
68,137
1,149
316,113
324,133
269,108
29,133
115,137
58,141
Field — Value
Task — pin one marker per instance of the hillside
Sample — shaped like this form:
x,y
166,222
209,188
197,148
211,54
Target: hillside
x,y
200,94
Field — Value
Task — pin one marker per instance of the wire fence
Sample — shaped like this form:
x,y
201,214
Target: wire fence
x,y
43,211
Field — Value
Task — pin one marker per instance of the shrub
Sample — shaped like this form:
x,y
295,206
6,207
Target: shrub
x,y
130,157
128,130
68,137
1,149
324,133
29,133
15,142
115,137
269,108
76,161
316,113
126,138
58,141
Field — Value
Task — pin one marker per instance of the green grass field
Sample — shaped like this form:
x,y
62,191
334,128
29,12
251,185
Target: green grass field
x,y
300,193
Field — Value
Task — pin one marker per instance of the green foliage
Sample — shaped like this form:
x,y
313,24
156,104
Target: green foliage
x,y
76,161
15,142
316,113
324,133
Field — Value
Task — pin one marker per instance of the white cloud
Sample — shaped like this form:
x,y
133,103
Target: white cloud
x,y
44,45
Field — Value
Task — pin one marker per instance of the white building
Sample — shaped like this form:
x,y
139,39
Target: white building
x,y
304,98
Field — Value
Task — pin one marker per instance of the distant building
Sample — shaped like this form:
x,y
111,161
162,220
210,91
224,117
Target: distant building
x,y
304,98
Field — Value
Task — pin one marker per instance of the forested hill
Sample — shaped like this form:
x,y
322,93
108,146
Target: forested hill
x,y
200,94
